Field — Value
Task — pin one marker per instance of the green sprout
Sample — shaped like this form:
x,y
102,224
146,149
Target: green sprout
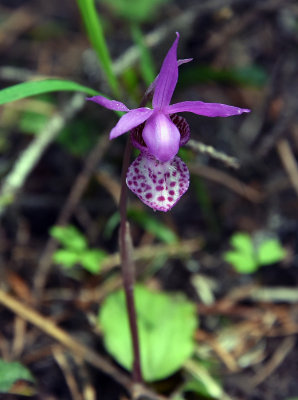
x,y
247,257
75,249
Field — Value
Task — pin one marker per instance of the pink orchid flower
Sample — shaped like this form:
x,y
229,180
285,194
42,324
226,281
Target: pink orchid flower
x,y
157,176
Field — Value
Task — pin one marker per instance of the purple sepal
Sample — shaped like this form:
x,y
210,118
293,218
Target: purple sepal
x,y
110,104
206,109
167,78
130,120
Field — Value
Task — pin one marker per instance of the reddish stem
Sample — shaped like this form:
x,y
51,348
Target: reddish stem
x,y
128,270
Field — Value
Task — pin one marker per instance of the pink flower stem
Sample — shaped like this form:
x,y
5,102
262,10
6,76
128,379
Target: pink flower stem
x,y
127,262
128,270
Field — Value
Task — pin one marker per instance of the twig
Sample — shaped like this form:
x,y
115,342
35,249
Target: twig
x,y
276,294
62,361
31,155
287,158
179,249
149,252
183,20
18,344
227,180
278,357
12,73
18,22
51,329
70,204
227,358
212,152
201,374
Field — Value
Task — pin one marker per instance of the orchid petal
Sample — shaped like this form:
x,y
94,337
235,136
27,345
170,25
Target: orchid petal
x,y
153,84
158,185
130,120
107,103
161,136
184,61
206,109
167,78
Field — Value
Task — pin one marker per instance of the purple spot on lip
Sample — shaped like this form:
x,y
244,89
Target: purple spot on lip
x,y
148,195
159,188
161,198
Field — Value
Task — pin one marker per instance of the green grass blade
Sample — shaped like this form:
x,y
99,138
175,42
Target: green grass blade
x,y
26,89
95,34
147,65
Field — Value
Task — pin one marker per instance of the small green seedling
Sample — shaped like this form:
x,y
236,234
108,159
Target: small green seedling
x,y
166,324
10,373
75,250
247,257
145,220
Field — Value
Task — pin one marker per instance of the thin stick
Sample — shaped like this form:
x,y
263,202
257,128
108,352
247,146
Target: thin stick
x,y
127,265
14,181
212,152
51,329
287,158
72,201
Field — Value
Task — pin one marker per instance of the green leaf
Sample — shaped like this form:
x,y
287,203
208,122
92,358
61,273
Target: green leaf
x,y
91,260
111,225
32,122
136,11
201,388
166,326
203,383
96,36
32,88
11,372
243,263
147,65
66,258
242,242
153,225
243,257
270,252
72,139
70,237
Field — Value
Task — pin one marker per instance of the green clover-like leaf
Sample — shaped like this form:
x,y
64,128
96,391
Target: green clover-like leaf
x,y
270,252
70,237
243,257
243,263
91,260
10,372
66,258
166,326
